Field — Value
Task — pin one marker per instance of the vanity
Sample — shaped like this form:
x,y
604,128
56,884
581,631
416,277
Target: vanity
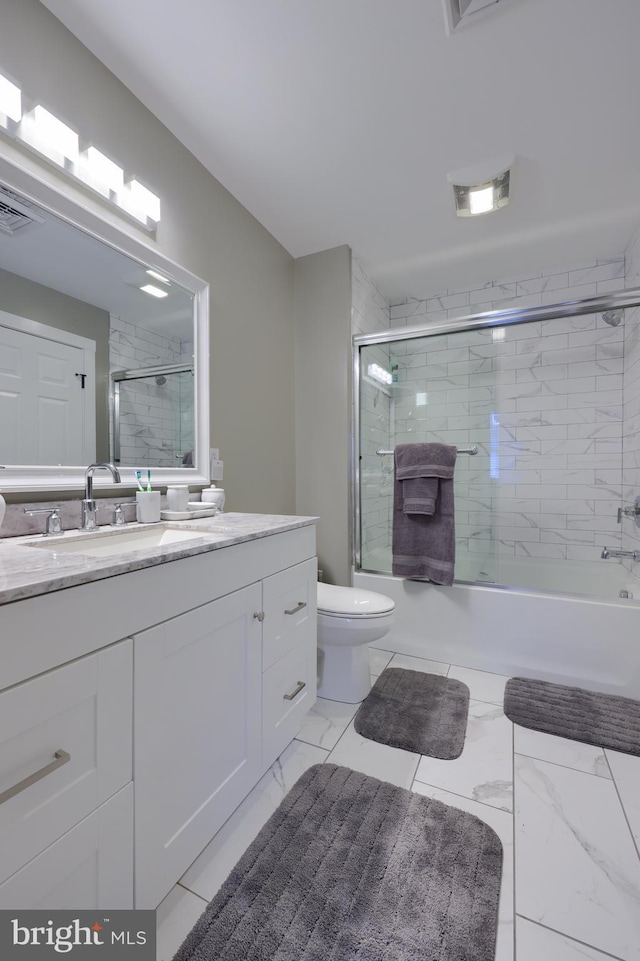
x,y
144,690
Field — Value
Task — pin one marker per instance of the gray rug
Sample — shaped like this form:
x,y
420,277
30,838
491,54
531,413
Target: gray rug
x,y
605,720
424,713
350,868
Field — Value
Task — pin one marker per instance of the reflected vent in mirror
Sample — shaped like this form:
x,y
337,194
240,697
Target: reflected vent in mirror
x,y
15,214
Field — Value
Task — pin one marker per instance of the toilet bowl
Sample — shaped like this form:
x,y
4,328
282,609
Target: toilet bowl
x,y
349,619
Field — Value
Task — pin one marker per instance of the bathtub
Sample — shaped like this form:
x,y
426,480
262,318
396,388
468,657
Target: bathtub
x,y
567,624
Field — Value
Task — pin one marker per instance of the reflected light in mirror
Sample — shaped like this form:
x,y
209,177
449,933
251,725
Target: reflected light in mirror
x,y
154,291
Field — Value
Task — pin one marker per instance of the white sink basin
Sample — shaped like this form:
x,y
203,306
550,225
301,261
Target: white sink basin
x,y
112,542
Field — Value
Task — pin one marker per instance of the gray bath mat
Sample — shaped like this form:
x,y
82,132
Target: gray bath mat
x,y
424,713
605,720
350,868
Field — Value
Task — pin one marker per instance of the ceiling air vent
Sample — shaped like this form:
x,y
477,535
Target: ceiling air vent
x,y
457,12
16,213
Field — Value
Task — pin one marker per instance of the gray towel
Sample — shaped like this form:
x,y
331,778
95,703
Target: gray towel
x,y
423,512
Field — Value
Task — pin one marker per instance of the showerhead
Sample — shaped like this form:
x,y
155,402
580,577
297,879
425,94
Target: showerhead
x,y
613,317
161,380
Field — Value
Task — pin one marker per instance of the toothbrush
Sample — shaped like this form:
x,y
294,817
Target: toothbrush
x,y
149,480
139,479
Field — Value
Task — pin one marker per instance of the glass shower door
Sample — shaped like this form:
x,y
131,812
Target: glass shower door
x,y
427,389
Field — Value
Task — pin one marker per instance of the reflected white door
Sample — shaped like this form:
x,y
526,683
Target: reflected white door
x,y
43,400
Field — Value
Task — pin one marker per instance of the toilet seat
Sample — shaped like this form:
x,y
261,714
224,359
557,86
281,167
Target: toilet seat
x,y
334,601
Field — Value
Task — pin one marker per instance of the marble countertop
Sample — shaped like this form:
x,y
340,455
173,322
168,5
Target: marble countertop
x,y
26,571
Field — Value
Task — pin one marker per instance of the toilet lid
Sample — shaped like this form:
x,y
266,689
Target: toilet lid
x,y
352,601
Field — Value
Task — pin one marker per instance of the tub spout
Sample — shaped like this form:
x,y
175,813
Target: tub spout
x,y
606,554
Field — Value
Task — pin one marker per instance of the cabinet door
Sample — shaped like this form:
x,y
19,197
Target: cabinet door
x,y
65,747
290,605
91,866
197,745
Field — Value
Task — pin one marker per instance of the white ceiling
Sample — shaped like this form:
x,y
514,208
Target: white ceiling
x,y
337,121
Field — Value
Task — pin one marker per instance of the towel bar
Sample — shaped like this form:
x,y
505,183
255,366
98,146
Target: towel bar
x,y
461,450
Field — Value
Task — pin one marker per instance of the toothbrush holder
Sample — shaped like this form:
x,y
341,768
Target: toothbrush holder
x,y
148,506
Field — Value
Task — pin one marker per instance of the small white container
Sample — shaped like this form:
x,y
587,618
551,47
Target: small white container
x,y
214,495
178,497
147,506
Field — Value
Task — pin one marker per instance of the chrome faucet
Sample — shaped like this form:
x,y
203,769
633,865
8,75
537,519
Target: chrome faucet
x,y
89,506
606,554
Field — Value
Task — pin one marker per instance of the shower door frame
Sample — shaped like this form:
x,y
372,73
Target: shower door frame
x,y
491,318
137,373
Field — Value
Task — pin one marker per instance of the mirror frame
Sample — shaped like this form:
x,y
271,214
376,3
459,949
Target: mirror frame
x,y
71,206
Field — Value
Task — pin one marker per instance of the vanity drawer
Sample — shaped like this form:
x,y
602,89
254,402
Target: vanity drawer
x,y
91,866
289,605
65,747
288,693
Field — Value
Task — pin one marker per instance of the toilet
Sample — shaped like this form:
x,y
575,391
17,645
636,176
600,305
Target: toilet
x,y
349,619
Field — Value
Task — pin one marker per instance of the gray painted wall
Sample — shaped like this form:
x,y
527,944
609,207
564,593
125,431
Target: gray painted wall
x,y
323,403
26,299
203,228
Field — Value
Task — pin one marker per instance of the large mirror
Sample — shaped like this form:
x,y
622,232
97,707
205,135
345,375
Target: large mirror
x,y
102,348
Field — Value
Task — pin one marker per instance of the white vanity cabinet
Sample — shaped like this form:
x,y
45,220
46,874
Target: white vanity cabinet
x,y
209,720
191,676
197,730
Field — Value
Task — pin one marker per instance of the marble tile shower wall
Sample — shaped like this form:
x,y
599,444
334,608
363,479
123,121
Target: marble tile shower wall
x,y
631,408
544,405
149,413
370,314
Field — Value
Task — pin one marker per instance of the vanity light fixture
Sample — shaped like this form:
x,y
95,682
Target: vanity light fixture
x,y
10,102
483,188
35,127
154,291
49,136
99,172
139,201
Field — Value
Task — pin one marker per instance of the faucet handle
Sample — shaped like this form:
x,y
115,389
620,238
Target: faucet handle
x,y
118,513
54,524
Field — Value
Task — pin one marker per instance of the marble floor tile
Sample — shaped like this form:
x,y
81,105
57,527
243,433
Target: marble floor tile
x,y
625,769
560,750
484,770
379,760
502,824
418,664
536,943
175,916
576,871
482,685
326,722
212,866
378,660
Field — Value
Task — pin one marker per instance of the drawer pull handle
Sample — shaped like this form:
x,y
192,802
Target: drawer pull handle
x,y
299,687
61,757
294,610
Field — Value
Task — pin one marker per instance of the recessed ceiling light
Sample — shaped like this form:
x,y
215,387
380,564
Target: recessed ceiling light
x,y
154,291
480,189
